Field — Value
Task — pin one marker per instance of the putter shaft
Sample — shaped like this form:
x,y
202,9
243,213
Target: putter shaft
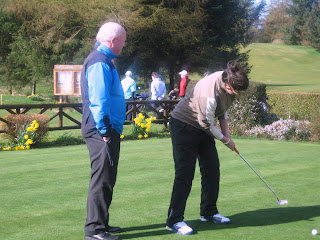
x,y
257,174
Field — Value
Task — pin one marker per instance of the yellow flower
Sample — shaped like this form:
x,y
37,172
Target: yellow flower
x,y
148,130
29,141
21,147
146,135
140,136
28,147
36,125
34,121
139,124
8,148
32,125
143,125
122,136
26,136
34,129
29,129
137,120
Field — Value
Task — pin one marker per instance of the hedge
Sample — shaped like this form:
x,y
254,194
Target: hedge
x,y
297,106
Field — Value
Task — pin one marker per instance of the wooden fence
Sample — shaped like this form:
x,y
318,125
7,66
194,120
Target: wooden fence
x,y
61,111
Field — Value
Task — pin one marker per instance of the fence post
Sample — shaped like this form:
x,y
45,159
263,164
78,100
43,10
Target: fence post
x,y
61,117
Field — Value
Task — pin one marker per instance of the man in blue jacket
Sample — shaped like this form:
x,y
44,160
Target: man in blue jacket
x,y
102,123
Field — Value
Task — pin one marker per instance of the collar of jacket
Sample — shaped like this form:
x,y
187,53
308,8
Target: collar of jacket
x,y
106,51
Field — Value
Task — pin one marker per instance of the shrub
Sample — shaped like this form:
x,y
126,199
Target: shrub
x,y
35,97
315,128
67,139
298,106
18,125
142,126
250,109
283,130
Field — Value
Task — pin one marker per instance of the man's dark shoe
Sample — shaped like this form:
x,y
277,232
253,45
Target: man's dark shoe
x,y
102,236
114,229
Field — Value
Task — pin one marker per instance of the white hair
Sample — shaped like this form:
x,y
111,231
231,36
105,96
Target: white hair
x,y
109,30
128,73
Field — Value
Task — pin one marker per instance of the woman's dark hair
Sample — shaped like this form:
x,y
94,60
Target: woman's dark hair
x,y
236,77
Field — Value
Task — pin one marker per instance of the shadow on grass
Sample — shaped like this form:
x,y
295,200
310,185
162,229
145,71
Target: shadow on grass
x,y
145,231
285,85
261,217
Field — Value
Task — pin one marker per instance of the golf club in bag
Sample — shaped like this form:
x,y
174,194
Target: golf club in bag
x,y
280,202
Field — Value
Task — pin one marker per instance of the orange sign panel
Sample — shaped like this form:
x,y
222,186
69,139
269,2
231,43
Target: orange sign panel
x,y
66,79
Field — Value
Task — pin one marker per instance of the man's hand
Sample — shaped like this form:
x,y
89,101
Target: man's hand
x,y
106,139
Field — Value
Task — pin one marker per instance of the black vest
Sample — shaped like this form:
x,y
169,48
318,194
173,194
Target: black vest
x,y
88,126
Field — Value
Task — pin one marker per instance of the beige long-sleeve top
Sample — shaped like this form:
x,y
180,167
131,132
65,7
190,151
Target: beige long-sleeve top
x,y
204,103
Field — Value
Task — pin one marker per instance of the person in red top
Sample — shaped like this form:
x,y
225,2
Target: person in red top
x,y
183,83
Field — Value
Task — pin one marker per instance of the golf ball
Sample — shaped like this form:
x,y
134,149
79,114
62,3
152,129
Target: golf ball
x,y
314,232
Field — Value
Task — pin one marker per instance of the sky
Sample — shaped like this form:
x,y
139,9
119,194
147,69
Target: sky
x,y
258,1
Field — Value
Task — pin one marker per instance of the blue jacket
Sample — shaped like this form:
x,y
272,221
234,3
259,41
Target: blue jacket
x,y
102,94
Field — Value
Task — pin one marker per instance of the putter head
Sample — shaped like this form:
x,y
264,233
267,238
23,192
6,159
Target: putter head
x,y
282,202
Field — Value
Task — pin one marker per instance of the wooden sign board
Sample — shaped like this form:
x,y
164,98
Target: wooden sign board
x,y
66,79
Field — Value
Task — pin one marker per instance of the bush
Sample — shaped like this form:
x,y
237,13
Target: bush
x,y
298,106
35,97
250,109
141,126
283,130
315,129
67,139
18,125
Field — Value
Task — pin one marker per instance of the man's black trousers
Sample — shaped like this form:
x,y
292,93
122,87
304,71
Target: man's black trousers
x,y
104,158
190,143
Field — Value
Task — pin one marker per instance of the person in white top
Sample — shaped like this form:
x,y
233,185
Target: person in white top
x,y
129,88
158,87
158,91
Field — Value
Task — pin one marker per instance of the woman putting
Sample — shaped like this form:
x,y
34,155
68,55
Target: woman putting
x,y
193,131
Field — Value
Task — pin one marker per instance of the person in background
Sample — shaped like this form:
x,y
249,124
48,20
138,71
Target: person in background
x,y
158,91
183,83
173,94
103,117
193,132
129,88
206,74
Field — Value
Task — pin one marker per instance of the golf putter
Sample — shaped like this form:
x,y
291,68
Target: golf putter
x,y
280,202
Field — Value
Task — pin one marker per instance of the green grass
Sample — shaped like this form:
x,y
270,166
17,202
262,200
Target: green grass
x,y
43,192
285,68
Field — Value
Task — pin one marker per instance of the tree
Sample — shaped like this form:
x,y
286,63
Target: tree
x,y
275,22
192,35
51,32
312,26
162,36
228,25
165,35
298,10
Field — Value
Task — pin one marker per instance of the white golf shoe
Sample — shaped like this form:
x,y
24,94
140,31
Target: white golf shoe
x,y
217,218
180,228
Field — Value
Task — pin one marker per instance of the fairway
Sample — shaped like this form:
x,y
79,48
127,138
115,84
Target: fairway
x,y
285,68
43,192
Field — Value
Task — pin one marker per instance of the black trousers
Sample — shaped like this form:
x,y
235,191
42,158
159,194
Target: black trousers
x,y
190,143
104,159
